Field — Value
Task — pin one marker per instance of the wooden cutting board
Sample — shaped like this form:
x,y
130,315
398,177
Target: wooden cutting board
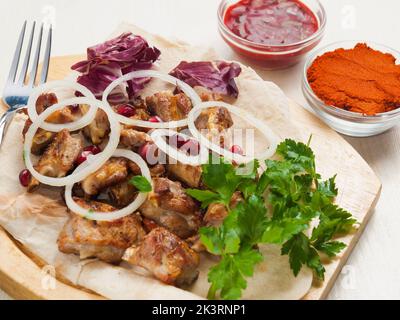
x,y
21,275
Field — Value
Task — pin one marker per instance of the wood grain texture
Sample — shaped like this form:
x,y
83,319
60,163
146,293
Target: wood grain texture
x,y
359,191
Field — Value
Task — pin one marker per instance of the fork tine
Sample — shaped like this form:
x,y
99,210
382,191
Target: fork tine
x,y
17,53
24,68
46,62
35,64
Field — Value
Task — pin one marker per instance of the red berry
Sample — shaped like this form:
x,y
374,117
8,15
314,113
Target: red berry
x,y
126,110
25,177
236,149
192,147
177,141
155,119
87,151
75,108
93,149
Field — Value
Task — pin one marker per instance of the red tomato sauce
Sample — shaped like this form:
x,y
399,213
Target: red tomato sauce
x,y
271,22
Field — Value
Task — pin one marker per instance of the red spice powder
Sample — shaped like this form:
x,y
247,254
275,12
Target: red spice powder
x,y
361,80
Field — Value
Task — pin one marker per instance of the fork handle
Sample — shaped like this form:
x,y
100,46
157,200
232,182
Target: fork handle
x,y
5,121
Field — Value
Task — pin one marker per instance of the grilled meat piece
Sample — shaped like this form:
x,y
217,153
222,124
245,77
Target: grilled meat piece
x,y
215,121
190,175
166,256
106,240
215,118
157,170
59,157
169,107
114,171
123,193
170,207
217,212
41,139
98,129
44,101
131,138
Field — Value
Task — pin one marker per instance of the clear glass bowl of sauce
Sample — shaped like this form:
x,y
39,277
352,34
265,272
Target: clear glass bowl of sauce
x,y
275,34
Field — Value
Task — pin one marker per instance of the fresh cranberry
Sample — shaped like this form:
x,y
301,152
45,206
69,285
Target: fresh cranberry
x,y
25,177
236,149
93,149
155,119
126,110
192,147
75,108
177,141
87,151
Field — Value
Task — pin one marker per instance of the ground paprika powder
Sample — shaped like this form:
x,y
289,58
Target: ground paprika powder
x,y
361,80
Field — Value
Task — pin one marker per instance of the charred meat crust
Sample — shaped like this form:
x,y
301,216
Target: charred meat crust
x,y
166,256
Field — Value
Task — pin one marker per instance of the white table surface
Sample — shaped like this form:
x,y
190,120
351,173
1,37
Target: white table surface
x,y
373,270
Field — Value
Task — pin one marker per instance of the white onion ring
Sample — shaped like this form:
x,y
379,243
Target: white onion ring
x,y
96,161
108,216
188,90
157,137
271,137
54,127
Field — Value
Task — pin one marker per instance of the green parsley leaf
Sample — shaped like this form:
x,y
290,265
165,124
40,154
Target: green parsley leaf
x,y
331,248
301,253
141,183
228,276
252,219
206,197
222,240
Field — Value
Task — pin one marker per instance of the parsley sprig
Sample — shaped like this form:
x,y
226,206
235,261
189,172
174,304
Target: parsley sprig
x,y
296,194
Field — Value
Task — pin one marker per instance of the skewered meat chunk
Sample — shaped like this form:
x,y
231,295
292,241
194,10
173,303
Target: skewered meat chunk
x,y
59,157
169,107
217,212
170,207
111,173
166,256
41,139
214,118
131,138
106,240
123,193
215,121
99,128
190,175
157,170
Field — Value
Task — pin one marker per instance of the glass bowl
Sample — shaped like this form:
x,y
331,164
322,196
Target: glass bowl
x,y
346,122
272,56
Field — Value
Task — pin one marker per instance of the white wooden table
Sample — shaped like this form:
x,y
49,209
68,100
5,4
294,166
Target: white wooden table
x,y
373,268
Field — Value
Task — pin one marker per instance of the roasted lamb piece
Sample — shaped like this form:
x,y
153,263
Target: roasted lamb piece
x,y
114,171
59,157
170,207
131,138
169,107
189,175
217,119
106,240
98,130
41,139
123,193
166,256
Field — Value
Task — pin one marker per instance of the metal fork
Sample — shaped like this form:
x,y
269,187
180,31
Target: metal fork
x,y
16,92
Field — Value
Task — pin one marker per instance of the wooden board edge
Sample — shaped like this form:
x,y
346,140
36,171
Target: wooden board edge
x,y
27,283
